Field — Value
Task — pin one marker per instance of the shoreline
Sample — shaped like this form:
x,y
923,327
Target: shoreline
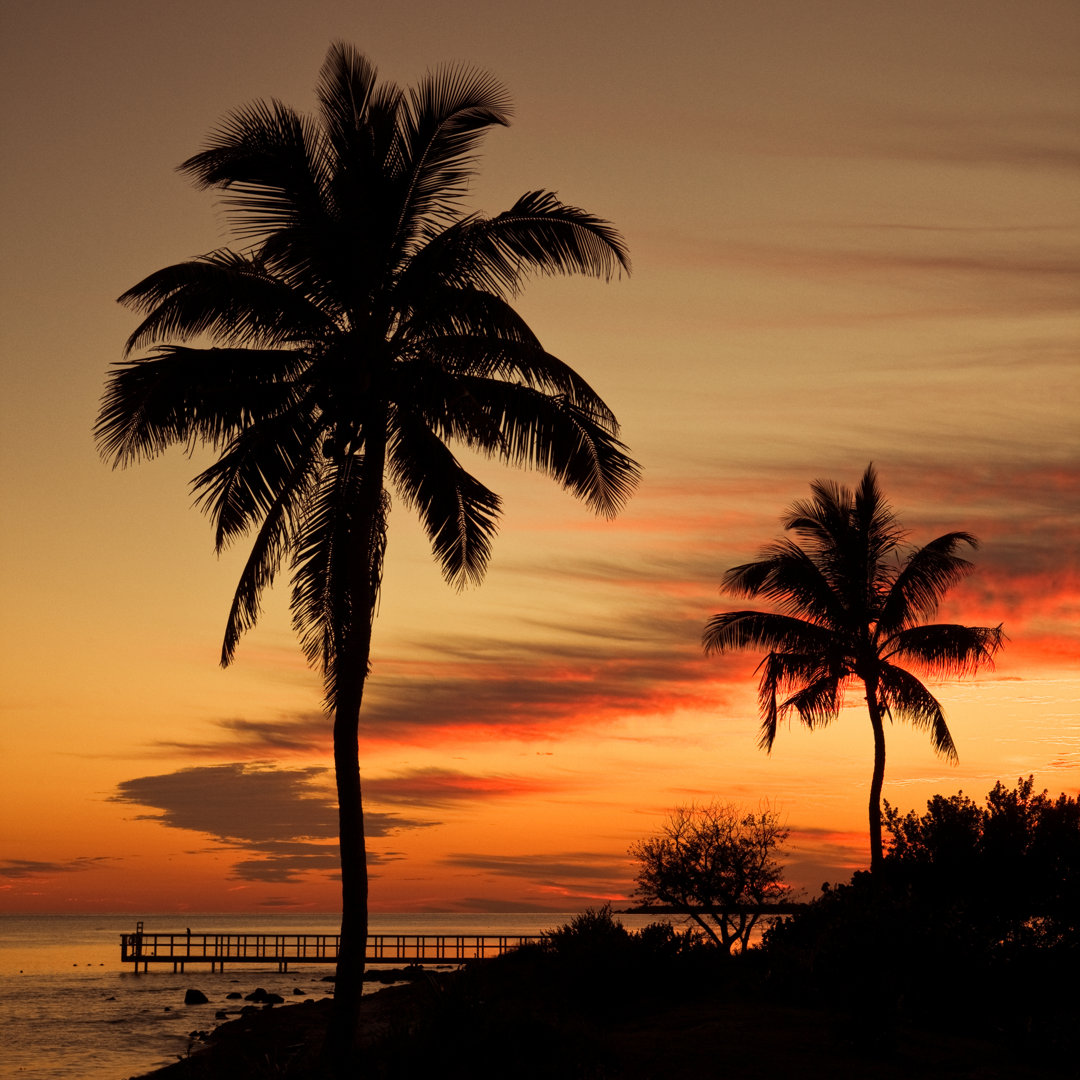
x,y
291,1035
681,1038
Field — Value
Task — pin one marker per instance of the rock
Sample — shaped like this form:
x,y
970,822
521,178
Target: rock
x,y
297,992
273,999
258,994
195,997
221,1014
233,995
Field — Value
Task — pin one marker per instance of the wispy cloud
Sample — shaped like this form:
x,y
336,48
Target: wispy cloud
x,y
440,788
34,868
582,875
642,656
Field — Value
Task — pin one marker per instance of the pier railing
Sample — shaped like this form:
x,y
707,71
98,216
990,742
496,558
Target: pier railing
x,y
143,949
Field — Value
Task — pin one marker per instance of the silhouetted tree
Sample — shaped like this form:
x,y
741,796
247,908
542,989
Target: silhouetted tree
x,y
852,606
363,326
1009,868
714,863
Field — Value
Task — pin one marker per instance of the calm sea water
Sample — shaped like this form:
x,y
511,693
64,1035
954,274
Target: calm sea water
x,y
68,1008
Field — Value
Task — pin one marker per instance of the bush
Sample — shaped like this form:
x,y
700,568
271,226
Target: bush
x,y
969,925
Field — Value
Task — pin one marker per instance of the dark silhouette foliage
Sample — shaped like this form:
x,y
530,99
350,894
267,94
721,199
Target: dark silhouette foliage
x,y
1011,867
543,1010
715,864
971,924
852,604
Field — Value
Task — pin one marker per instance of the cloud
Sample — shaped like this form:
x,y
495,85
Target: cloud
x,y
558,677
928,275
285,820
502,904
237,802
561,673
438,788
560,870
32,868
306,734
1035,139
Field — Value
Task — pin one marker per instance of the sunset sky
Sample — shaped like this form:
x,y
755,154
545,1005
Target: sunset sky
x,y
855,230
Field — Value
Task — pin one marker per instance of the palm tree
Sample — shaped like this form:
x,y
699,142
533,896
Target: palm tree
x,y
363,326
852,606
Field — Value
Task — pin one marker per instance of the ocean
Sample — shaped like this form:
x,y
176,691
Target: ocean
x,y
69,1008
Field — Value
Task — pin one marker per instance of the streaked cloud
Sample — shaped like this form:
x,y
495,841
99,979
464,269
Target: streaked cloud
x,y
583,875
642,656
441,788
34,868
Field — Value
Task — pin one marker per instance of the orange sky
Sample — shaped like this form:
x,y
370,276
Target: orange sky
x,y
854,230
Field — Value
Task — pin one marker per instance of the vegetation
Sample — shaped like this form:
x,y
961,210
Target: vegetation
x,y
972,924
362,327
853,606
596,1000
1007,871
716,864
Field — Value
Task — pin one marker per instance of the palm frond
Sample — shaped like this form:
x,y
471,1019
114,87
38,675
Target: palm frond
x,y
452,366
824,518
272,542
440,128
785,574
346,87
942,649
320,562
182,395
874,521
818,700
268,158
260,465
927,575
557,437
229,297
734,630
459,514
431,309
905,697
783,672
541,234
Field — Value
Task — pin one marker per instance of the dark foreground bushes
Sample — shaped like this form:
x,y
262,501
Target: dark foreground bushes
x,y
538,1011
972,925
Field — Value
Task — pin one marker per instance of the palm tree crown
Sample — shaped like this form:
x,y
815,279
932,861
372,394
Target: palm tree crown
x,y
368,319
363,326
852,604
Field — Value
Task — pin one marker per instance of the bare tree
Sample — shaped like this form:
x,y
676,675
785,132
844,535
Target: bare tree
x,y
717,864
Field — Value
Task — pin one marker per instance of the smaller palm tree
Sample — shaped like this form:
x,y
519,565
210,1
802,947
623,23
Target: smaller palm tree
x,y
852,606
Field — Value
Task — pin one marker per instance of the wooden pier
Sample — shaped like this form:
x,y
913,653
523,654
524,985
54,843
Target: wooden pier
x,y
142,949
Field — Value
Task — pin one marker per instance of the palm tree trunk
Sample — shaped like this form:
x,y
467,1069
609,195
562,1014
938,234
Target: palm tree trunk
x,y
352,949
364,574
878,780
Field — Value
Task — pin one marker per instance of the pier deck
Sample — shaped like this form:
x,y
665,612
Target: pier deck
x,y
143,949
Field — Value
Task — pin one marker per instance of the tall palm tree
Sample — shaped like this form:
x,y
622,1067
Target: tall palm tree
x,y
363,326
852,602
